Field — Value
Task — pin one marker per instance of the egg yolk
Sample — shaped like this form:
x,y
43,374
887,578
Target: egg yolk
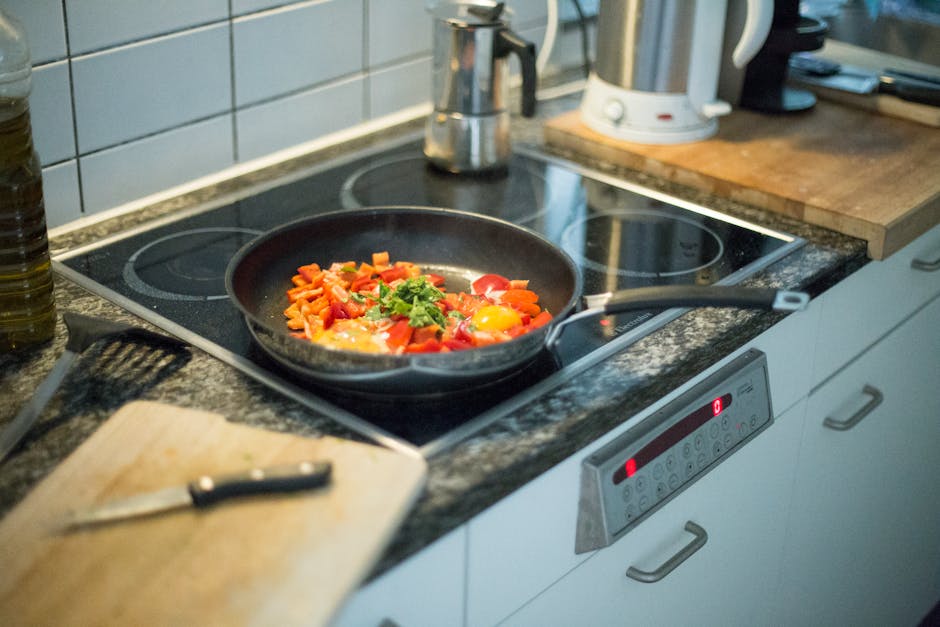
x,y
351,335
495,318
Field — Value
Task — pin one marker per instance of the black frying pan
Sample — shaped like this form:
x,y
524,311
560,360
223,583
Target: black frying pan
x,y
459,246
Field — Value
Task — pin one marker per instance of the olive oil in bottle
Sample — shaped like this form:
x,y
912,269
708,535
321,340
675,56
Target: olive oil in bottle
x,y
27,307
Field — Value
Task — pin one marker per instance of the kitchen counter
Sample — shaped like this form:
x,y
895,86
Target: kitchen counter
x,y
469,476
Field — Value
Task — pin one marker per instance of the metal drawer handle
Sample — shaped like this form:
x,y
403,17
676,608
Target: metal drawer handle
x,y
926,266
854,419
701,537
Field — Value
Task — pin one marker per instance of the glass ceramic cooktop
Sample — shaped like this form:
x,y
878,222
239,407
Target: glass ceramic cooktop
x,y
172,273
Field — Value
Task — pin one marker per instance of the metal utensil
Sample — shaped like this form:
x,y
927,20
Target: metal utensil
x,y
811,70
84,331
207,490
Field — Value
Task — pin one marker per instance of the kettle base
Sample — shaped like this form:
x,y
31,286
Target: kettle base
x,y
466,144
646,117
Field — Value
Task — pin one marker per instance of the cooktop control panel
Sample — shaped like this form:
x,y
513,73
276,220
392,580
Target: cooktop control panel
x,y
637,473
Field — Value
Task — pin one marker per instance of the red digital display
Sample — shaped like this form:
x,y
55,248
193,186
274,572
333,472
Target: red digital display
x,y
630,467
670,437
717,406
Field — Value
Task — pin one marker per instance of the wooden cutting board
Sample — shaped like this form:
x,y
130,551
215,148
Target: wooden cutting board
x,y
853,171
267,560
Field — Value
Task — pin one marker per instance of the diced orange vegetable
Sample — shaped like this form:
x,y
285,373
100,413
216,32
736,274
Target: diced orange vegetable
x,y
380,259
530,309
513,296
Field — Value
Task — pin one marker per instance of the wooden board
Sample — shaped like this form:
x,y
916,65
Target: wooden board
x,y
267,560
862,174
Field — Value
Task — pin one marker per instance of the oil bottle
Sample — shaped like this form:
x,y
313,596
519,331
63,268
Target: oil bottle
x,y
27,307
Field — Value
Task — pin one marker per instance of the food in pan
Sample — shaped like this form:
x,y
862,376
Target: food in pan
x,y
386,307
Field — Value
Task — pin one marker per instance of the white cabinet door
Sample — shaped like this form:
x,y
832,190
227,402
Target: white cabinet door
x,y
868,304
864,545
741,505
425,589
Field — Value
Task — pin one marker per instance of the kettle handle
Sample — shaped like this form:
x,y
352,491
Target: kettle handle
x,y
509,42
760,16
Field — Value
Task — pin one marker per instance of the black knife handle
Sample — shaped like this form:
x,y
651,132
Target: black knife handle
x,y
207,490
910,90
913,76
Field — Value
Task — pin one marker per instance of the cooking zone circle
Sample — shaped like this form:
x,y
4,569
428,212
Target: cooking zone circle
x,y
408,180
186,266
645,244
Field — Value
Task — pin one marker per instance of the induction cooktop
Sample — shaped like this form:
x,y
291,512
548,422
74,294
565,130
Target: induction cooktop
x,y
171,272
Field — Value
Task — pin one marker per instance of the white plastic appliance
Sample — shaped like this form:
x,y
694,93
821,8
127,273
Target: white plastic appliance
x,y
655,79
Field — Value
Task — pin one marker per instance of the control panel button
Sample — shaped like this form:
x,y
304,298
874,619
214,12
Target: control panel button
x,y
614,110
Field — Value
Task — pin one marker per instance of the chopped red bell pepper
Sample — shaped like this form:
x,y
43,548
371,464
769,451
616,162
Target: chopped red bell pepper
x,y
490,282
399,334
394,273
435,279
540,320
428,346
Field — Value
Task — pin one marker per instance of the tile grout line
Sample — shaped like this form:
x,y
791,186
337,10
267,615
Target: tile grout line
x,y
366,71
78,155
232,87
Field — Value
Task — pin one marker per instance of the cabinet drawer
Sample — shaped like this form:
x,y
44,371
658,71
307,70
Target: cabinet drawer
x,y
863,546
864,307
522,544
425,589
727,580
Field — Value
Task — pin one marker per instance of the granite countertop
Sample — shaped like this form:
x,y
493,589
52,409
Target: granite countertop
x,y
464,479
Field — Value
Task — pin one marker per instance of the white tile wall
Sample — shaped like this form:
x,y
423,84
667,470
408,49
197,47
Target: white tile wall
x,y
130,20
160,92
277,124
240,7
398,29
146,166
155,85
281,51
61,194
399,87
50,109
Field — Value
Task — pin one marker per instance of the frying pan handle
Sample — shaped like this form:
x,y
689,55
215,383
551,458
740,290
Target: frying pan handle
x,y
670,296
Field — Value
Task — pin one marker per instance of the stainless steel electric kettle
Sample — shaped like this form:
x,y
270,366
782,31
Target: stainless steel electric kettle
x,y
468,130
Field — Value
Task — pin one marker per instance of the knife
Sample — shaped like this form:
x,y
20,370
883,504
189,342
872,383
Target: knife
x,y
812,70
207,490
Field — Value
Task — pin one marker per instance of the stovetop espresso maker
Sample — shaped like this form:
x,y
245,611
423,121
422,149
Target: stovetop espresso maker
x,y
468,130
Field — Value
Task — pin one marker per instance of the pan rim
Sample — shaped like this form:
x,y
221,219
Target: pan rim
x,y
404,361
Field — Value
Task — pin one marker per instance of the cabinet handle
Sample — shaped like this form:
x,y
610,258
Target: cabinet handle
x,y
854,419
701,537
926,266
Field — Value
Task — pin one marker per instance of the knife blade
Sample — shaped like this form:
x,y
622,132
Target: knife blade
x,y
811,70
207,490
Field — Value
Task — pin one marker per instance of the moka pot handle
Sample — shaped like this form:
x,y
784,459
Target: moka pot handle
x,y
509,42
